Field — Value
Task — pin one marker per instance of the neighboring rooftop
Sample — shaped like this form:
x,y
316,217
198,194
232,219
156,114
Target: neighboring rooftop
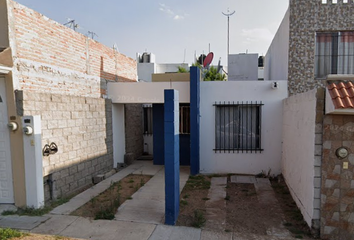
x,y
342,94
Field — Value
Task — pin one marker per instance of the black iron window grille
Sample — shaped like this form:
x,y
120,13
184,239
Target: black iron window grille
x,y
334,53
147,111
184,120
238,127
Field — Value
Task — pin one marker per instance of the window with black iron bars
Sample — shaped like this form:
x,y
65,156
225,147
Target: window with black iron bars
x,y
238,127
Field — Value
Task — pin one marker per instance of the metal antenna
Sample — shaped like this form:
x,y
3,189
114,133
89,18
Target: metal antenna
x,y
228,14
71,23
91,34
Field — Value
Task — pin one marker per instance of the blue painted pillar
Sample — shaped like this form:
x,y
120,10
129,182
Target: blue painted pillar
x,y
171,130
195,119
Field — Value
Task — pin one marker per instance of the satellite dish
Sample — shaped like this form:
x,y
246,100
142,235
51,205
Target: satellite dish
x,y
208,60
219,66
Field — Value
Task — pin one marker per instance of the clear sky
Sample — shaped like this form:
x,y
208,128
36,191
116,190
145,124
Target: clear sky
x,y
172,29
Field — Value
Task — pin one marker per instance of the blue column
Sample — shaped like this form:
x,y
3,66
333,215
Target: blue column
x,y
171,130
195,119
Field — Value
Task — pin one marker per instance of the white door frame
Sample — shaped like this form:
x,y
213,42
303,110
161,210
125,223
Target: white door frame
x,y
6,180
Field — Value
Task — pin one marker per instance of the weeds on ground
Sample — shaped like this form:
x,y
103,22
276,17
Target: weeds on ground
x,y
31,211
108,212
183,202
197,182
199,219
106,204
7,233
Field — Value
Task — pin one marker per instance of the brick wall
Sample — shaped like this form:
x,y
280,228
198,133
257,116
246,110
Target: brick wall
x,y
337,193
134,141
82,129
306,18
45,47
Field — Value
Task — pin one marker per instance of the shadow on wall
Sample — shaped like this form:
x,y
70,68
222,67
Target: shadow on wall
x,y
81,127
134,139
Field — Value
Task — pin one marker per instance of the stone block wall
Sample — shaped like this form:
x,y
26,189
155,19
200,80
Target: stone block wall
x,y
82,129
337,193
306,18
134,140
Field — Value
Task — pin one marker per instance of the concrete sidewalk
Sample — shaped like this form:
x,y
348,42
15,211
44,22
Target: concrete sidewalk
x,y
138,219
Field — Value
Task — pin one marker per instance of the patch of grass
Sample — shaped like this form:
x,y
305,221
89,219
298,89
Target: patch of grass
x,y
105,214
205,199
227,230
295,214
31,211
7,233
186,196
183,202
227,198
197,182
287,224
251,193
58,237
295,230
215,175
129,198
199,219
299,236
130,181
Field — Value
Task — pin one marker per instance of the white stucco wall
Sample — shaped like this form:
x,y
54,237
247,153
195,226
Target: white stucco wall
x,y
277,57
118,127
244,163
243,67
170,67
145,70
145,92
298,160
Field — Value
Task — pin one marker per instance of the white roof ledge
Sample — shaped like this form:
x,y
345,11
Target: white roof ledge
x,y
5,70
340,77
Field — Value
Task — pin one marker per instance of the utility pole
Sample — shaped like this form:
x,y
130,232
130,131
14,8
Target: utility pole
x,y
228,14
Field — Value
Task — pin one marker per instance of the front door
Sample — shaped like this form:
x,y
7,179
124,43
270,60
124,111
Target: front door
x,y
6,186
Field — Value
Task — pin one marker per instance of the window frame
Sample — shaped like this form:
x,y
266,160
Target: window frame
x,y
242,127
335,54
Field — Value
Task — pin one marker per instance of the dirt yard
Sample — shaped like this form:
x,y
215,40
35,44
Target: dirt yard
x,y
105,205
244,213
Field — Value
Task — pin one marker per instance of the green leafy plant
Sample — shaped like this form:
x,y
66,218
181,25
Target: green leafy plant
x,y
182,69
213,75
7,233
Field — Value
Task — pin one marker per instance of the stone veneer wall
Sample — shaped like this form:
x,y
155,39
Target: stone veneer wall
x,y
82,129
306,18
337,193
134,140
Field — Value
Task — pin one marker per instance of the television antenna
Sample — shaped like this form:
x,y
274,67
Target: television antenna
x,y
71,24
228,14
91,34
